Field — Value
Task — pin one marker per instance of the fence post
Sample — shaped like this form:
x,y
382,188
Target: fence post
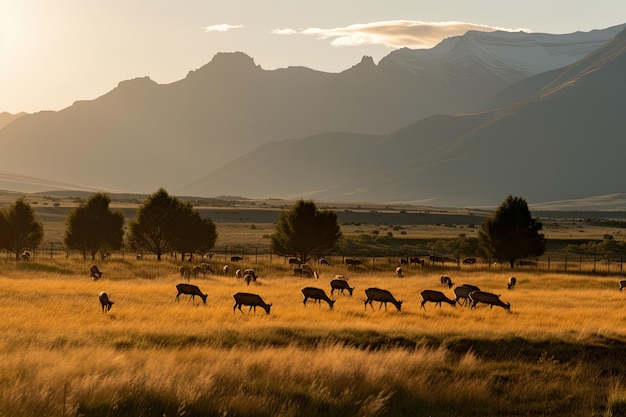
x,y
565,263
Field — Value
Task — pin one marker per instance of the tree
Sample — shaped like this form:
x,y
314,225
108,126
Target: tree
x,y
149,231
304,230
190,232
511,233
18,228
92,227
164,223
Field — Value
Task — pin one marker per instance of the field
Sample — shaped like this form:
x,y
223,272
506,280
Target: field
x,y
561,351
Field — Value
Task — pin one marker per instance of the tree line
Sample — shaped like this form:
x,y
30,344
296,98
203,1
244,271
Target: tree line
x,y
165,224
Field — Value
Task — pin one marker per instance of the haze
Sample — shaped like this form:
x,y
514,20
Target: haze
x,y
53,53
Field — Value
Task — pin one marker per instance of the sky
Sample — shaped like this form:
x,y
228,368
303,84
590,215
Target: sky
x,y
55,52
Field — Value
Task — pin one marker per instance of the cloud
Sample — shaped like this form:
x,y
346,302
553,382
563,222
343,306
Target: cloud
x,y
225,27
394,34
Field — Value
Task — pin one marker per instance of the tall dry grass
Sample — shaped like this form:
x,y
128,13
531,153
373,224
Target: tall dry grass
x,y
559,352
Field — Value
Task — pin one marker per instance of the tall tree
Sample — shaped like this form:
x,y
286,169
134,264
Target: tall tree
x,y
149,231
164,223
511,233
304,230
93,227
19,230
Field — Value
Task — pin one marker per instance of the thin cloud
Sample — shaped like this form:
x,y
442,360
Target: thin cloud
x,y
224,27
394,34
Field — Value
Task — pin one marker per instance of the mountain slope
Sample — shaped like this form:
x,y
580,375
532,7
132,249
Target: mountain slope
x,y
142,135
565,142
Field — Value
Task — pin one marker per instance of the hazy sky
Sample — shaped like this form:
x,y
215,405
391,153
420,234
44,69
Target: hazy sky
x,y
53,52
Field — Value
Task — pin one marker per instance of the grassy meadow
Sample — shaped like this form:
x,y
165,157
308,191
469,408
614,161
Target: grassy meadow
x,y
561,351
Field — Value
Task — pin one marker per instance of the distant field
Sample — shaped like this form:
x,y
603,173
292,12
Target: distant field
x,y
560,352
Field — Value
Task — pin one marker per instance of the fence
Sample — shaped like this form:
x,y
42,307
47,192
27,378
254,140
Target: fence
x,y
261,255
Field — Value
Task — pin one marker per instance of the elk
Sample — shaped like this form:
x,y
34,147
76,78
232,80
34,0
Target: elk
x,y
95,272
415,261
190,290
205,267
352,262
446,282
25,255
340,284
487,298
248,278
399,272
316,294
236,259
511,283
185,272
382,296
463,292
196,271
252,300
622,284
295,261
225,269
436,297
105,302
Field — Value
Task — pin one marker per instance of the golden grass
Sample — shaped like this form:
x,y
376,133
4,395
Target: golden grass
x,y
559,352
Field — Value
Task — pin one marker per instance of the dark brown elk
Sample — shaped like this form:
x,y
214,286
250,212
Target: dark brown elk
x,y
196,271
252,300
190,290
353,262
416,261
236,258
446,282
622,284
462,292
511,283
251,273
474,287
399,272
105,302
323,261
382,296
95,272
316,294
436,297
487,298
295,261
340,285
185,272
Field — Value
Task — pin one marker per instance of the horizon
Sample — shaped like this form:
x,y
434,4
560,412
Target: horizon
x,y
56,53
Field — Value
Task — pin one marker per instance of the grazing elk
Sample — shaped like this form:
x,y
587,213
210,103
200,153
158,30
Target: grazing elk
x,y
487,298
185,272
446,282
105,302
225,269
95,272
190,290
353,262
462,292
323,261
474,287
251,273
295,261
399,272
404,261
316,294
238,273
415,261
248,278
252,300
622,284
436,297
205,267
511,283
382,296
236,259
340,285
196,271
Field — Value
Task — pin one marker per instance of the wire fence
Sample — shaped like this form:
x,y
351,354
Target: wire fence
x,y
598,265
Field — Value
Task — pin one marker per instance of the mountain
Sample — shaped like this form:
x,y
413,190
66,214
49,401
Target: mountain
x,y
142,135
564,142
6,118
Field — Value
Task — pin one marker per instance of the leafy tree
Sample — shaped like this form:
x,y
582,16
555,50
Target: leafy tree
x,y
150,229
304,230
164,223
18,228
511,233
92,227
190,232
